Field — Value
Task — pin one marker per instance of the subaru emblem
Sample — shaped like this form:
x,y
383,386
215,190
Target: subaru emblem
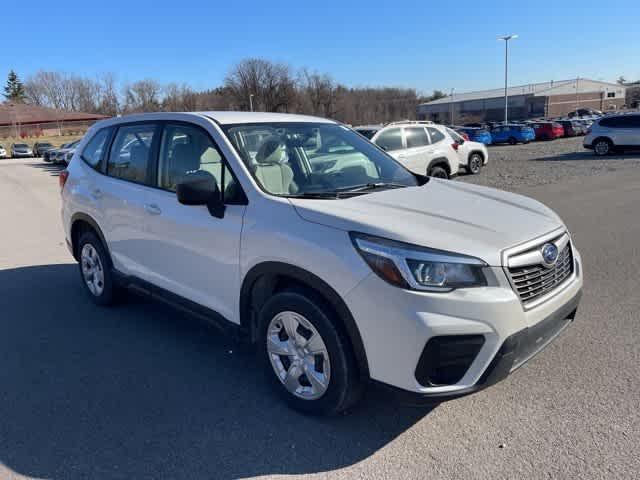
x,y
549,254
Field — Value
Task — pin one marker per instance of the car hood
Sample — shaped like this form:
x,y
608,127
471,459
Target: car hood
x,y
442,214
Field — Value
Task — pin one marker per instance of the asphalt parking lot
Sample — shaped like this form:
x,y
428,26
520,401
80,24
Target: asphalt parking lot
x,y
142,391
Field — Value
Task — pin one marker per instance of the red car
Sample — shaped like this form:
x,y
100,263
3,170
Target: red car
x,y
548,130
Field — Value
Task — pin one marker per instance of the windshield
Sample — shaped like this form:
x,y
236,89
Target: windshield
x,y
21,145
368,133
307,159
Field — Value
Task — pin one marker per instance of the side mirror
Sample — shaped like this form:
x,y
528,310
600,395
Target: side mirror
x,y
201,188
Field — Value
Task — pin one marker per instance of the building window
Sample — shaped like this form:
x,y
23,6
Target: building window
x,y
611,94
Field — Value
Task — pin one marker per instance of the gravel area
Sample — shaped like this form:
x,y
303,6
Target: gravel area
x,y
542,163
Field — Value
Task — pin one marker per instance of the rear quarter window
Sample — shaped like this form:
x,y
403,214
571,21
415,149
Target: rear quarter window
x,y
94,151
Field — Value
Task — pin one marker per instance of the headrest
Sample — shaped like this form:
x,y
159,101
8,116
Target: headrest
x,y
270,151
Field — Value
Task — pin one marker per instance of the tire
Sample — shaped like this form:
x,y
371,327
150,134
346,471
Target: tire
x,y
336,381
602,147
95,270
474,163
438,172
512,141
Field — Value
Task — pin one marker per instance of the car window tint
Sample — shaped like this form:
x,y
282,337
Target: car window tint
x,y
435,134
390,139
94,151
187,149
130,157
416,137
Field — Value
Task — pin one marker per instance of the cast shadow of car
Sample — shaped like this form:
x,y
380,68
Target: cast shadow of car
x,y
588,155
143,391
53,169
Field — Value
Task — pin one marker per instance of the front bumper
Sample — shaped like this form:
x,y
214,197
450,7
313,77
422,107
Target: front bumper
x,y
396,326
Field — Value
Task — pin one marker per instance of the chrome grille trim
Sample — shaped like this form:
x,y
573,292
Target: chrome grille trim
x,y
533,281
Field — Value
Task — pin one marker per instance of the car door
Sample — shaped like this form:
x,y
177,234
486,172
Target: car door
x,y
627,130
195,255
419,150
123,196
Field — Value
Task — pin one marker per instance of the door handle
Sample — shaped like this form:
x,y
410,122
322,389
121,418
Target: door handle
x,y
96,194
152,209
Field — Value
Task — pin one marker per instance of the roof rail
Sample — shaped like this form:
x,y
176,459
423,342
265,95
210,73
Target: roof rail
x,y
401,122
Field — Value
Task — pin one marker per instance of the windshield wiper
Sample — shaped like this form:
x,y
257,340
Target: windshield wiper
x,y
322,195
371,186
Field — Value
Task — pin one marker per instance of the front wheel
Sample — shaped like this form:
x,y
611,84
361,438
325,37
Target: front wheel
x,y
512,141
475,163
438,172
602,147
307,355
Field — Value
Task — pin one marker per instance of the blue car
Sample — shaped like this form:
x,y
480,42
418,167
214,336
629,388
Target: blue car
x,y
479,135
512,134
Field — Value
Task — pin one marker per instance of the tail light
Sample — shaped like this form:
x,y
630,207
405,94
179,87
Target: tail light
x,y
466,137
62,179
455,146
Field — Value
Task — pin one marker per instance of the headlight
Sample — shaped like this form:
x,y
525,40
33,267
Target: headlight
x,y
419,268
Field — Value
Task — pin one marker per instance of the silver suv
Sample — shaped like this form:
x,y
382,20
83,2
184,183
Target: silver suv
x,y
614,133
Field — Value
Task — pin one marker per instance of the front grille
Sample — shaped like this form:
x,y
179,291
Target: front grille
x,y
533,281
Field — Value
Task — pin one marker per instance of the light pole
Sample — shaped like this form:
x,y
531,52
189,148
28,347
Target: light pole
x,y
451,113
506,39
251,101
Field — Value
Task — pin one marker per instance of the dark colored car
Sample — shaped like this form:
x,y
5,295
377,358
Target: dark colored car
x,y
548,130
40,147
570,128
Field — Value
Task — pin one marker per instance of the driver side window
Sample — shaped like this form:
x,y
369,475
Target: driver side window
x,y
186,149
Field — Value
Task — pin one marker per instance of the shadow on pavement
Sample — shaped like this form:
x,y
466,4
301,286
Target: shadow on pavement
x,y
53,168
586,155
142,391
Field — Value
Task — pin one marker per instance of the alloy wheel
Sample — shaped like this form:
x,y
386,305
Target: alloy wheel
x,y
298,355
92,270
475,163
602,147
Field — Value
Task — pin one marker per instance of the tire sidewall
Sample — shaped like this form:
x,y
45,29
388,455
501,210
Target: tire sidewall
x,y
605,141
480,160
435,169
343,372
107,295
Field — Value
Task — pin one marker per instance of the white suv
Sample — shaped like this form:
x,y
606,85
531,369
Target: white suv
x,y
614,133
300,236
422,147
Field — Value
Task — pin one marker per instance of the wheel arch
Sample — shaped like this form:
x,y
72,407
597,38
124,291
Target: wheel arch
x,y
81,222
266,278
439,162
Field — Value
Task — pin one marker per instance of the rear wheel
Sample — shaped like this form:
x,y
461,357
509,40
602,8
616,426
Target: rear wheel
x,y
95,270
602,146
475,163
512,141
306,355
438,172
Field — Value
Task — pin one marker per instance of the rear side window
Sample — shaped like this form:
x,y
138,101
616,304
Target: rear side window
x,y
435,134
390,139
416,137
131,154
93,152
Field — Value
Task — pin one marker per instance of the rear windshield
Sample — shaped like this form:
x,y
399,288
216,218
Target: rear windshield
x,y
21,145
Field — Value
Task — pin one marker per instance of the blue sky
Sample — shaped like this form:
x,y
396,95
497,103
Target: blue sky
x,y
425,44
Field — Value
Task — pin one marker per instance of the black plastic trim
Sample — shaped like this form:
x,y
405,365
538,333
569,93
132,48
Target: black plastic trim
x,y
88,219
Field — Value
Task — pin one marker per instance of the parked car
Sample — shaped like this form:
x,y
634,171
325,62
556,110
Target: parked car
x,y
472,156
569,128
512,134
548,130
368,131
338,264
21,150
60,155
3,152
579,127
590,113
425,149
40,147
479,135
614,133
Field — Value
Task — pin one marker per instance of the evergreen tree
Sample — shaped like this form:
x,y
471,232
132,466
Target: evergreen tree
x,y
14,90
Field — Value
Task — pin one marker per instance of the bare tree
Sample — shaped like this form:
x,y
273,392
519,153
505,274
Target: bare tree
x,y
320,91
109,103
142,96
179,98
270,84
